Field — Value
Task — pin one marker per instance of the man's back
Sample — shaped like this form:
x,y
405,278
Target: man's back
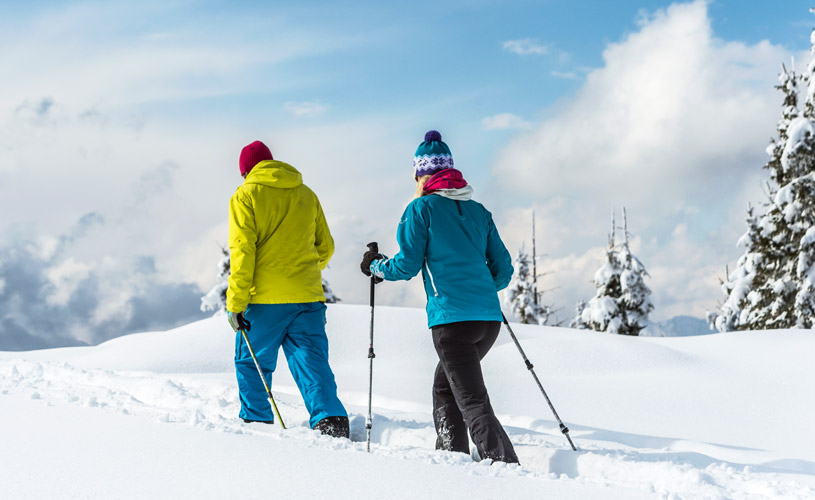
x,y
278,238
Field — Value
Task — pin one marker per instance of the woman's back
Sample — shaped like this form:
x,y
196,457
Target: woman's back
x,y
462,258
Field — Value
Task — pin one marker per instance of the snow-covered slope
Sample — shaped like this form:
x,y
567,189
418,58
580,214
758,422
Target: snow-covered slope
x,y
153,415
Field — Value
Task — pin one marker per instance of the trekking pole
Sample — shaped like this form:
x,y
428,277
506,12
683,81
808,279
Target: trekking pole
x,y
265,385
563,428
373,247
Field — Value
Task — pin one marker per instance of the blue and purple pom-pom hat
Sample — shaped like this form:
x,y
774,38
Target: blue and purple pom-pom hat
x,y
432,156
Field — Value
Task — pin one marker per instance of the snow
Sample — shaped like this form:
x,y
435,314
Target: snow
x,y
800,128
154,415
603,275
601,310
809,237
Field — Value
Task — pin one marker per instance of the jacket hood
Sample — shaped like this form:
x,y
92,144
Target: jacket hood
x,y
460,194
276,174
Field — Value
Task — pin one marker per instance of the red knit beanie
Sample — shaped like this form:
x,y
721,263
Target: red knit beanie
x,y
252,154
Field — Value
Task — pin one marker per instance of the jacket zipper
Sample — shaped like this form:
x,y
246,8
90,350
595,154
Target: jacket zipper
x,y
432,283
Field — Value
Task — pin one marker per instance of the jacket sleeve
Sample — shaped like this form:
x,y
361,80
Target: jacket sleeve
x,y
499,260
323,240
412,239
242,248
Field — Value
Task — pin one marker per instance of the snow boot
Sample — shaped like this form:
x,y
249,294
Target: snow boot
x,y
334,426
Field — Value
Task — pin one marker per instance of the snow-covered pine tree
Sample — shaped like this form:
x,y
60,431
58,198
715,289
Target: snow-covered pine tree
x,y
522,295
330,297
215,299
751,269
636,296
622,302
788,82
773,284
577,321
601,312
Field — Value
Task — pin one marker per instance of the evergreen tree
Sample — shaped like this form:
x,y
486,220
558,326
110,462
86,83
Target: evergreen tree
x,y
636,296
577,321
773,284
330,297
523,296
622,302
788,82
215,299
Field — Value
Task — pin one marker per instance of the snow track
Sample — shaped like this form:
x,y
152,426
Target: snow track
x,y
612,463
665,467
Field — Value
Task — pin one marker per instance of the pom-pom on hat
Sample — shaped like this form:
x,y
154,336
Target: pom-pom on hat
x,y
432,156
253,154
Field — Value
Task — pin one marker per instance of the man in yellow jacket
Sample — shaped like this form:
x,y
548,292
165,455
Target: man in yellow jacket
x,y
279,243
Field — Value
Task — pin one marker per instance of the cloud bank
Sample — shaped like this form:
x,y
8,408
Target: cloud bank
x,y
674,127
50,298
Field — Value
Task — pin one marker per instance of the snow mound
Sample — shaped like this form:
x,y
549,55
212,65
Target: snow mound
x,y
153,415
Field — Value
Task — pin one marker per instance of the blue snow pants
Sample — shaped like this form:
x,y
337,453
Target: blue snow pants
x,y
300,330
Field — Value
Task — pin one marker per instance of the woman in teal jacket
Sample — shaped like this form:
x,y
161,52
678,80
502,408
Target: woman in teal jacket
x,y
453,241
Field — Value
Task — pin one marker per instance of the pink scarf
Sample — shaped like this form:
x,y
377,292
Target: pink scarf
x,y
449,178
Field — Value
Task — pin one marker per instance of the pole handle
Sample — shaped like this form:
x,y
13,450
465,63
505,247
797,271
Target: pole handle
x,y
373,247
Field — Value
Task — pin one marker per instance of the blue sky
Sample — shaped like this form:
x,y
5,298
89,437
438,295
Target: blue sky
x,y
135,112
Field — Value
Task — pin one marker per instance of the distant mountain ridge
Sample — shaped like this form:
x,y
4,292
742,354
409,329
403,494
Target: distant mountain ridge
x,y
23,341
678,326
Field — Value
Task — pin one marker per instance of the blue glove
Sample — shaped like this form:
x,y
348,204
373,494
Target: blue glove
x,y
237,321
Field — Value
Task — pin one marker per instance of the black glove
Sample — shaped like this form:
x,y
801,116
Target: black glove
x,y
365,265
237,321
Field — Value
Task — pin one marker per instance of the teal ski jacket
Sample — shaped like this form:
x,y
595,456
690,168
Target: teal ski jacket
x,y
464,263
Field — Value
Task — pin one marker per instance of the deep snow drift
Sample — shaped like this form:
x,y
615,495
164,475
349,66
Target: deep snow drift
x,y
154,415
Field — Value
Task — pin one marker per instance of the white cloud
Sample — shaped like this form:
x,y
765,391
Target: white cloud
x,y
526,46
87,56
100,117
504,121
65,278
673,126
305,108
673,108
532,47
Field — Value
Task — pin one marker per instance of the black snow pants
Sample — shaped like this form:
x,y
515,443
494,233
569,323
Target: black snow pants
x,y
460,399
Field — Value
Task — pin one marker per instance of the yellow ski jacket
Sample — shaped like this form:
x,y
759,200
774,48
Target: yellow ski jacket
x,y
278,239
